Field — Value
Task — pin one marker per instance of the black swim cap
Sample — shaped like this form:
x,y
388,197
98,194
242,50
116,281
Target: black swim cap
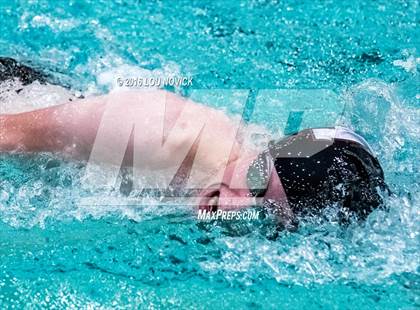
x,y
12,69
318,167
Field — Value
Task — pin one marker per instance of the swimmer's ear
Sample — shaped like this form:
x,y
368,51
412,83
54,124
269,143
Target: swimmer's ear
x,y
224,197
209,200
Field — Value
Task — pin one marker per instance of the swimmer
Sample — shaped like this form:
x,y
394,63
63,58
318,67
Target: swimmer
x,y
299,174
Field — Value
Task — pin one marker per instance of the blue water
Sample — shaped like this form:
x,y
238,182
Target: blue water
x,y
56,253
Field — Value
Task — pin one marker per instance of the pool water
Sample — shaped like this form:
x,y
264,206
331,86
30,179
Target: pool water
x,y
56,253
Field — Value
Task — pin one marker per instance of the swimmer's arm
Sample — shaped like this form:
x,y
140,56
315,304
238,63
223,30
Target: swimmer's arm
x,y
53,129
72,128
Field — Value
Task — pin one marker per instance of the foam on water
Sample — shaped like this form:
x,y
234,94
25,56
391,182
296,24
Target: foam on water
x,y
16,98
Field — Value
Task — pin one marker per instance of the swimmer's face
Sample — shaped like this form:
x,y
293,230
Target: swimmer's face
x,y
339,169
228,196
272,196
